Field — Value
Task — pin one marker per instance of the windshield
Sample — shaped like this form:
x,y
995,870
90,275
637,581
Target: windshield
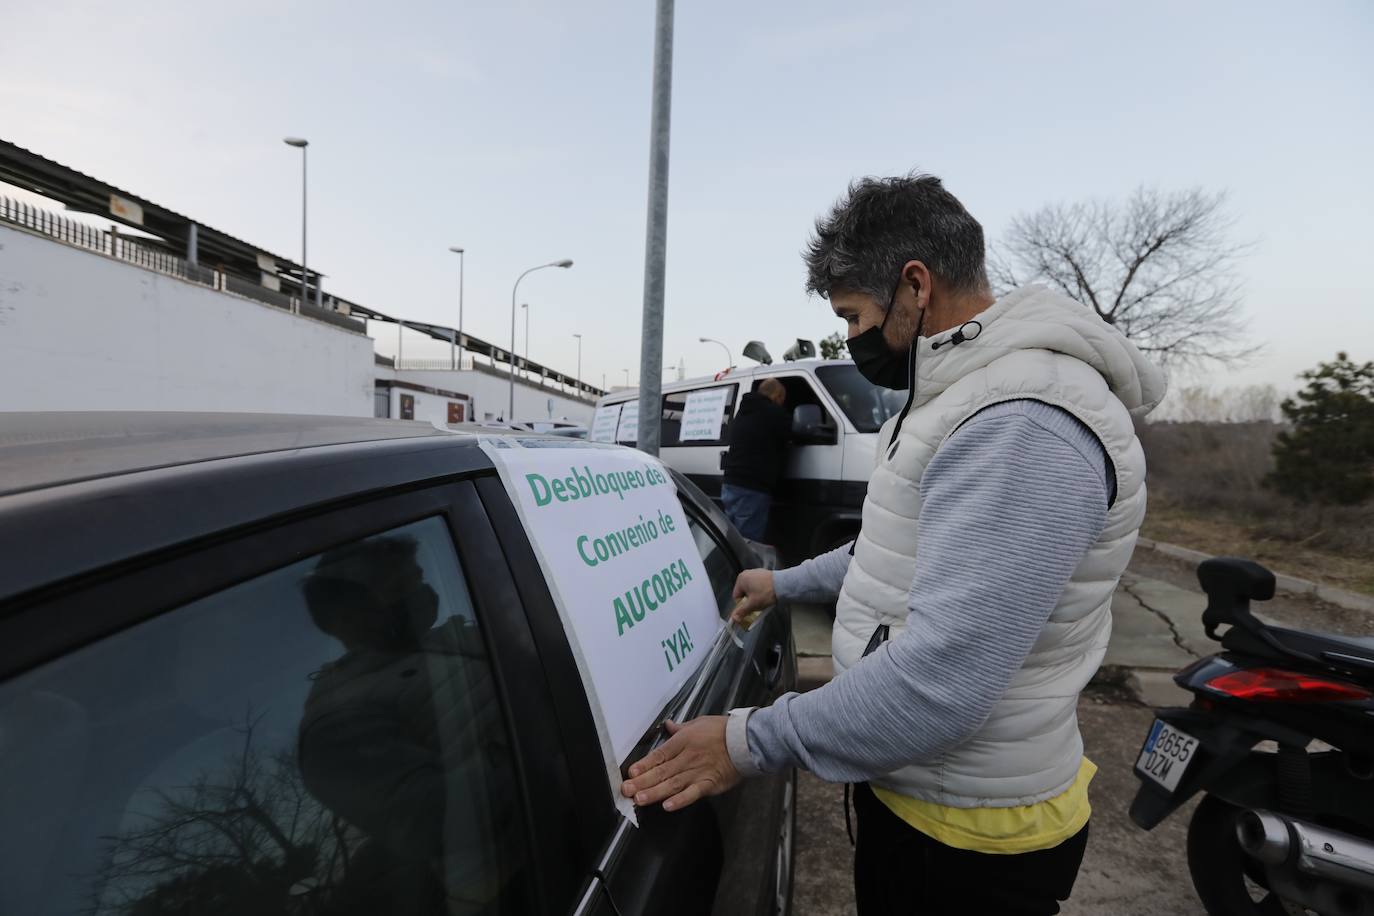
x,y
866,405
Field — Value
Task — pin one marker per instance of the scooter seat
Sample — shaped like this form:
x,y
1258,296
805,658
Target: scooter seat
x,y
1350,653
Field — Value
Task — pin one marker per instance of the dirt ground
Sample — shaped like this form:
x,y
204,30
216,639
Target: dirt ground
x,y
1217,534
1127,872
1303,611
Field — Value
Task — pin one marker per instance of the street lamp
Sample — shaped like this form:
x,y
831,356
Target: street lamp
x,y
301,143
579,364
729,360
457,361
525,307
565,263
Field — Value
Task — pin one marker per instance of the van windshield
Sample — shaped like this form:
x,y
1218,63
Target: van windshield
x,y
866,405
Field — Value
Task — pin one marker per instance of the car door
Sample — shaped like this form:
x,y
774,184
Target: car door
x,y
715,856
756,819
335,715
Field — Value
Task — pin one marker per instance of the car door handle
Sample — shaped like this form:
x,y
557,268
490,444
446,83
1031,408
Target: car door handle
x,y
774,665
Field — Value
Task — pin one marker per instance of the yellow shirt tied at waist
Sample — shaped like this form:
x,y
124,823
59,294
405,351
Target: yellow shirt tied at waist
x,y
1004,831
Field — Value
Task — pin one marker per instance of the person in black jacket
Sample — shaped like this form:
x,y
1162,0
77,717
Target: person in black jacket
x,y
758,446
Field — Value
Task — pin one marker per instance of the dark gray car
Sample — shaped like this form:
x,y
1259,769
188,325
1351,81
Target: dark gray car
x,y
265,664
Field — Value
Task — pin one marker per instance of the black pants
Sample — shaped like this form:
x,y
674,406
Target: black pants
x,y
899,871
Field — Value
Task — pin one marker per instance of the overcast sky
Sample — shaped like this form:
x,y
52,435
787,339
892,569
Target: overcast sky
x,y
519,130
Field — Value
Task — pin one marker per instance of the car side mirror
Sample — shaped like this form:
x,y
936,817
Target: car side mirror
x,y
809,426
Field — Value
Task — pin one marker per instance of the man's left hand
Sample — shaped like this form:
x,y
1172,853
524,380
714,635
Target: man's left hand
x,y
691,765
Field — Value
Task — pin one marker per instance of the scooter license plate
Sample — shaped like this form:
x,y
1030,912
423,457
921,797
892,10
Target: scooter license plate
x,y
1166,755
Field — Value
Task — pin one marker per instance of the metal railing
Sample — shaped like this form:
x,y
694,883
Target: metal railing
x,y
502,370
151,257
106,242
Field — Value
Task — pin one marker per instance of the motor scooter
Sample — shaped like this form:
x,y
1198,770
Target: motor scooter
x,y
1279,738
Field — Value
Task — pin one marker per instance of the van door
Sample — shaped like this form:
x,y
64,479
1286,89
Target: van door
x,y
812,496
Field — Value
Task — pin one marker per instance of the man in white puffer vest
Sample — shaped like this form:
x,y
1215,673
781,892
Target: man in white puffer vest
x,y
975,604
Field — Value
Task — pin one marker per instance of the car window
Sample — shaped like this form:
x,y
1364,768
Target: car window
x,y
675,405
325,738
721,565
866,405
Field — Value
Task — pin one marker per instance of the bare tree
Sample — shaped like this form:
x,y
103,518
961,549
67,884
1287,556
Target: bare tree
x,y
1160,267
249,838
1201,404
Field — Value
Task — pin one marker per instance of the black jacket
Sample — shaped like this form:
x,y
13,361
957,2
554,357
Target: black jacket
x,y
758,444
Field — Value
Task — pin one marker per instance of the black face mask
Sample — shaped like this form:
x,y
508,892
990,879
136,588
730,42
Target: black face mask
x,y
875,360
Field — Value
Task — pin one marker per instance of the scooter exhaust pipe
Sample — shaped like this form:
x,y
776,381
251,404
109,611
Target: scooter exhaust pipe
x,y
1279,841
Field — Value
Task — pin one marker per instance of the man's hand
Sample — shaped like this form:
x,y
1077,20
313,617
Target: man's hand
x,y
753,593
691,765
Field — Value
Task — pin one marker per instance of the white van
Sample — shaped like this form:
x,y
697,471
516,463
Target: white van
x,y
836,414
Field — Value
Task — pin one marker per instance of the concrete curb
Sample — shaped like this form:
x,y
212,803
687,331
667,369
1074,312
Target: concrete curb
x,y
1291,584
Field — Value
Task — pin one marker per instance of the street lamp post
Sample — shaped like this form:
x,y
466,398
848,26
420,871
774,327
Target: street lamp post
x,y
525,307
729,360
301,143
565,263
579,364
457,361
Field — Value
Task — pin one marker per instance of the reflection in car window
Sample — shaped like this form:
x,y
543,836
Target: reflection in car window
x,y
325,738
866,405
721,567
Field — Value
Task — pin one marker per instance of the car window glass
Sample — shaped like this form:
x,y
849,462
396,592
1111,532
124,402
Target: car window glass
x,y
866,405
325,738
675,404
720,563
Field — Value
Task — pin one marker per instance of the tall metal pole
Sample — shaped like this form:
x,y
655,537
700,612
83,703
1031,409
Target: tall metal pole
x,y
526,307
461,270
579,364
565,263
656,241
456,362
301,144
305,273
729,360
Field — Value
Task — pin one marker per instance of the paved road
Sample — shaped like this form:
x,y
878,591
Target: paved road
x,y
1157,629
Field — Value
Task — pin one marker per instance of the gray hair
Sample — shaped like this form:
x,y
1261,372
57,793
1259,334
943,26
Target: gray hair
x,y
882,223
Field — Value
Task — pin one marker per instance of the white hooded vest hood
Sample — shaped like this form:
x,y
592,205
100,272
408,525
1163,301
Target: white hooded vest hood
x,y
1034,344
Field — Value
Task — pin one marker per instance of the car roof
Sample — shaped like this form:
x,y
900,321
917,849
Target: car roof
x,y
82,491
39,450
707,381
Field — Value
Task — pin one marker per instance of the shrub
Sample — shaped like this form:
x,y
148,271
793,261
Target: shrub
x,y
1327,456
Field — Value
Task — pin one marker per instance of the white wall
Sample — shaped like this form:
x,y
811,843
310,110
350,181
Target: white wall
x,y
429,408
79,331
491,394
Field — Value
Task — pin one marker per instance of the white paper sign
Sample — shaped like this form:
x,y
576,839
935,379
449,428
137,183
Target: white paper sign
x,y
702,417
636,603
629,423
605,421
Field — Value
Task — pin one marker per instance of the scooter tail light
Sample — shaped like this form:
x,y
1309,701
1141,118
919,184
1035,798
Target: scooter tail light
x,y
1279,686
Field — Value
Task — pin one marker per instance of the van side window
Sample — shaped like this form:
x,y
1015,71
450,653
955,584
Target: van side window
x,y
324,738
675,405
799,391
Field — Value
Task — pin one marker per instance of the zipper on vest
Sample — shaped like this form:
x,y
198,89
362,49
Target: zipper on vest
x,y
910,392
